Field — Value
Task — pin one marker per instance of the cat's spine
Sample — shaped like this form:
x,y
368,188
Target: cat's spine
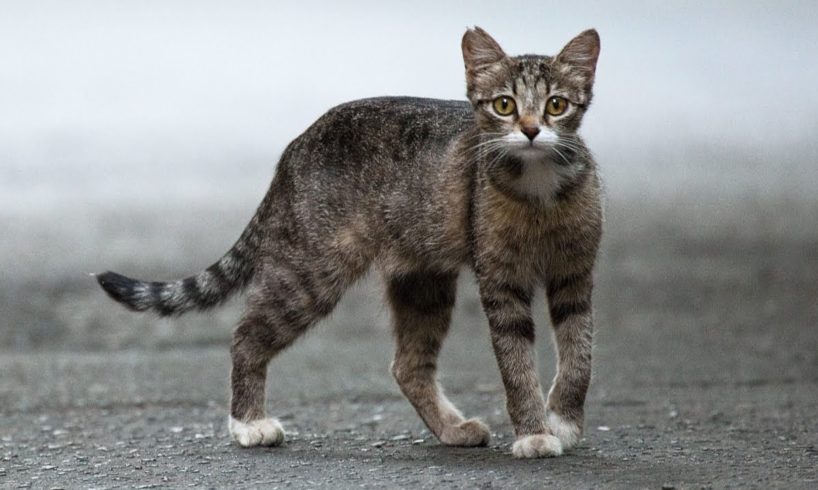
x,y
202,291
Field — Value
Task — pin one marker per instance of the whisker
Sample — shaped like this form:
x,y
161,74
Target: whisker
x,y
564,159
500,155
487,141
570,146
490,147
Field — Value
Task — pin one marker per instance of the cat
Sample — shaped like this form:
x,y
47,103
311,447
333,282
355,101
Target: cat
x,y
421,188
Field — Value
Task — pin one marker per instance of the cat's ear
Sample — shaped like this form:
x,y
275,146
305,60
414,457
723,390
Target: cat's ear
x,y
479,50
582,53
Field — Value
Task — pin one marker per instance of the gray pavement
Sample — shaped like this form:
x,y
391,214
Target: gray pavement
x,y
706,376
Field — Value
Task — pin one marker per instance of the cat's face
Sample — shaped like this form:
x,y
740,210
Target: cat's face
x,y
529,106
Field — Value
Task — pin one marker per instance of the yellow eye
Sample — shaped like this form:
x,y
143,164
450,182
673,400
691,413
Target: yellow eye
x,y
504,106
556,106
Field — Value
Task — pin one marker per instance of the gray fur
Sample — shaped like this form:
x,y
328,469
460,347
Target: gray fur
x,y
421,188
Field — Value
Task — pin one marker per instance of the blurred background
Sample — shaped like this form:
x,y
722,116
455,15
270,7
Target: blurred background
x,y
140,136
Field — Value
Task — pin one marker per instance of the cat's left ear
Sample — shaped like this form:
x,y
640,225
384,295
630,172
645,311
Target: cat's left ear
x,y
582,53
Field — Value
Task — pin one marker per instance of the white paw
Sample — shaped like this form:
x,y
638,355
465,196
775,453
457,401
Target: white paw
x,y
263,432
567,432
537,446
470,433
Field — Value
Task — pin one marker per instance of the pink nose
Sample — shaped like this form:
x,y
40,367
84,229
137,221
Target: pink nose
x,y
530,131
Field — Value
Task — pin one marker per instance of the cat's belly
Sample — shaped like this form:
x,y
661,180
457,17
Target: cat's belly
x,y
395,260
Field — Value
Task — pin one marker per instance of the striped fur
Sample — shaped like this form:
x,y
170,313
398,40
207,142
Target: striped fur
x,y
205,290
421,188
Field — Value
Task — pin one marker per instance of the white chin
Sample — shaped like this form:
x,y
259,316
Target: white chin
x,y
530,150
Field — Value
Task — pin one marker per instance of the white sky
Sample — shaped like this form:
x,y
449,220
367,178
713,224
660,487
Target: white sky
x,y
131,89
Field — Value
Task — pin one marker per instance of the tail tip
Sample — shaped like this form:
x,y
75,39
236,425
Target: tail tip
x,y
118,287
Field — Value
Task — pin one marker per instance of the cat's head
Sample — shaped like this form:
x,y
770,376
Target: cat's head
x,y
529,106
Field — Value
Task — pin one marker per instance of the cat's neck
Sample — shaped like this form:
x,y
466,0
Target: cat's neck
x,y
543,179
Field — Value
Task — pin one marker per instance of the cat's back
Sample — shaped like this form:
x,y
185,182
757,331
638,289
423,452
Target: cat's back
x,y
383,129
442,118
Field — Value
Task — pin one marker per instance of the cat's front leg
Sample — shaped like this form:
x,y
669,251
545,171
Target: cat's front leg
x,y
569,303
508,308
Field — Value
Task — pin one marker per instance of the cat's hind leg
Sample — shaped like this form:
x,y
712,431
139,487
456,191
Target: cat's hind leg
x,y
421,304
285,302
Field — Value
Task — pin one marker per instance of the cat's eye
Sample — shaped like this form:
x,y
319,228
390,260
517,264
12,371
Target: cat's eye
x,y
504,106
556,106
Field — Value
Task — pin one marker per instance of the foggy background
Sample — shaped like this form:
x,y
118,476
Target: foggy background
x,y
140,136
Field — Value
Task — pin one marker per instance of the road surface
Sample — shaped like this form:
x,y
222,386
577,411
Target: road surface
x,y
706,376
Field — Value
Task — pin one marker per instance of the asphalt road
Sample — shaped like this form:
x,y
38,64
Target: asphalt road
x,y
706,376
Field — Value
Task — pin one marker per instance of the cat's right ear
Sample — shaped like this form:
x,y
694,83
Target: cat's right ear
x,y
479,50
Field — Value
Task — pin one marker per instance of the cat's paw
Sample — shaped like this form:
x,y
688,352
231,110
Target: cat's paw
x,y
472,432
567,432
262,432
537,446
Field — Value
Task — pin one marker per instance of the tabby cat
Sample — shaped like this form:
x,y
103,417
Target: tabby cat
x,y
421,187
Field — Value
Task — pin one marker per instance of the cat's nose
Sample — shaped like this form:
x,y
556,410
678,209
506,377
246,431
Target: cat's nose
x,y
530,131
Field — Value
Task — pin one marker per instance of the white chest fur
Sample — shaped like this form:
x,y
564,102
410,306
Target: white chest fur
x,y
542,179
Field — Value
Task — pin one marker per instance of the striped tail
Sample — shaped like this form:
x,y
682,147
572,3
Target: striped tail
x,y
202,291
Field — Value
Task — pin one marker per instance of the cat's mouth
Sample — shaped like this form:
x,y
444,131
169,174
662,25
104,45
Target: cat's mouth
x,y
536,147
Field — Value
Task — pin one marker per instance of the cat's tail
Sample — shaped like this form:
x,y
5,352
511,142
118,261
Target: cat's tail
x,y
202,291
